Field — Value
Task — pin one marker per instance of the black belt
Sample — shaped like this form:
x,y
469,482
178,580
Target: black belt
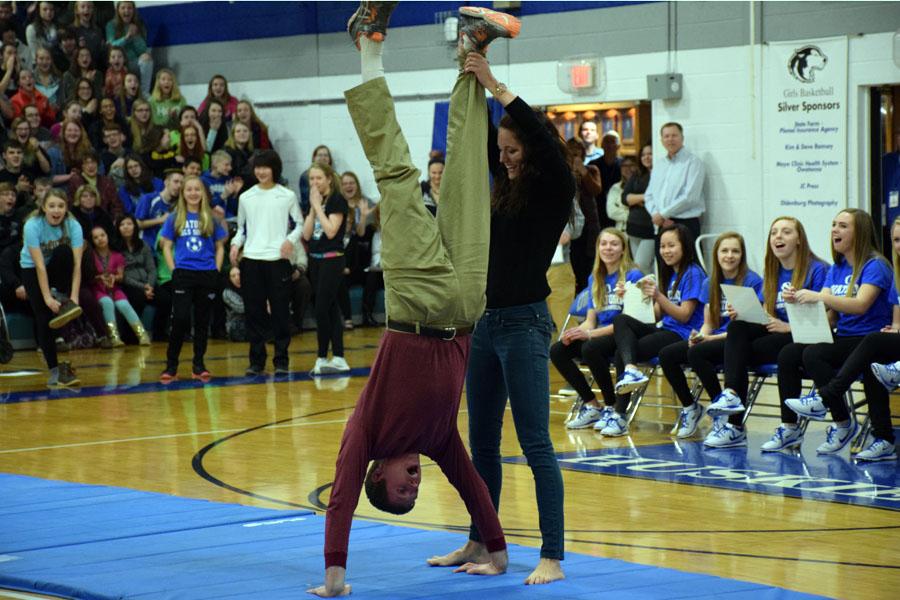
x,y
442,333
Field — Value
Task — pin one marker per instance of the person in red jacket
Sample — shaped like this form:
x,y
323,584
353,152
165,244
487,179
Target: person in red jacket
x,y
435,273
29,94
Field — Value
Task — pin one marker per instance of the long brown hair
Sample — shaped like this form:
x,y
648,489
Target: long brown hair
x,y
626,264
805,256
718,276
895,255
865,245
508,196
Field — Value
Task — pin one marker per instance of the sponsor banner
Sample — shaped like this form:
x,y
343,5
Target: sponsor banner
x,y
804,119
825,478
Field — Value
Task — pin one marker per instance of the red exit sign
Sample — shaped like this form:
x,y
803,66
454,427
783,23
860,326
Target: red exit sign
x,y
581,76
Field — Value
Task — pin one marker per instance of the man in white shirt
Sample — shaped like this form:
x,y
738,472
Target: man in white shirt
x,y
266,271
675,192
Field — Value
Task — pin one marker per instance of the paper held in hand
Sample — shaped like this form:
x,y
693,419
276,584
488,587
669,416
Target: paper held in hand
x,y
809,323
637,305
745,303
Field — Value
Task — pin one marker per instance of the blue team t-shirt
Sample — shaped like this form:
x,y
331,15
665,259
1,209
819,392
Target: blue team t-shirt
x,y
193,251
216,187
893,297
38,233
690,288
875,272
751,280
613,305
815,280
151,206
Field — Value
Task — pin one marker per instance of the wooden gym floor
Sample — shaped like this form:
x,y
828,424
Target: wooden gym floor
x,y
273,444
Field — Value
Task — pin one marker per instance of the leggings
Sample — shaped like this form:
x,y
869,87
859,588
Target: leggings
x,y
191,289
109,306
704,359
327,275
875,347
637,342
59,277
597,353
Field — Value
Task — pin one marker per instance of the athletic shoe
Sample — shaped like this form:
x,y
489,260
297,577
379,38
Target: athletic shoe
x,y
168,376
631,380
586,417
255,371
887,375
726,403
606,414
68,311
337,364
66,376
836,438
201,374
726,436
784,437
809,406
615,426
371,20
478,27
567,391
878,450
689,419
282,371
321,368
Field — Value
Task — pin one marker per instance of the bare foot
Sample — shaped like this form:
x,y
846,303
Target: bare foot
x,y
472,552
547,570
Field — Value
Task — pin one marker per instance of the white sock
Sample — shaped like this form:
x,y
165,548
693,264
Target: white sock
x,y
370,57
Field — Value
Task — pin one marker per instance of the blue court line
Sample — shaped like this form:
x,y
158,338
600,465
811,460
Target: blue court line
x,y
155,386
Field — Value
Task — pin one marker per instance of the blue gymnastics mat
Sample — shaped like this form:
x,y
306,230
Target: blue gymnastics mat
x,y
96,542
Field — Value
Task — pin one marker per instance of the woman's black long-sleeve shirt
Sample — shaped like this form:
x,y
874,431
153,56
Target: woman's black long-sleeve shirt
x,y
522,244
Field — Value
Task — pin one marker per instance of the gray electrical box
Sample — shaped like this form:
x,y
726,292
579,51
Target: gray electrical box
x,y
666,86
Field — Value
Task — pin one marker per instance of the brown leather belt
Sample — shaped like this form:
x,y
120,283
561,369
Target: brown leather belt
x,y
441,333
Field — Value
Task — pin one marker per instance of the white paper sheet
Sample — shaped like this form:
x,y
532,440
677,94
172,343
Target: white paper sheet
x,y
809,323
746,303
637,305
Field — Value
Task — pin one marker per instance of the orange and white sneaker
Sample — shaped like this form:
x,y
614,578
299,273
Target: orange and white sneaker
x,y
371,20
478,27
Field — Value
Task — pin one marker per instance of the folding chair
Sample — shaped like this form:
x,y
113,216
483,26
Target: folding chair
x,y
577,312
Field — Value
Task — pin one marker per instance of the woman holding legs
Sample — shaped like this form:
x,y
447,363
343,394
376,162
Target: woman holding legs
x,y
856,292
593,337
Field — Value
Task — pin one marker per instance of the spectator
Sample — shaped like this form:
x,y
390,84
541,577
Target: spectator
x,y
431,189
139,181
12,290
9,22
9,77
374,273
42,31
66,157
240,147
112,157
47,78
245,114
131,91
85,96
71,112
583,248
616,209
223,188
212,120
14,173
321,154
140,268
218,91
190,145
90,174
127,31
87,32
64,53
153,209
42,134
42,186
357,245
192,167
114,79
28,94
10,225
162,296
82,68
166,100
87,210
588,132
301,288
106,115
236,320
35,161
639,226
609,166
145,135
675,192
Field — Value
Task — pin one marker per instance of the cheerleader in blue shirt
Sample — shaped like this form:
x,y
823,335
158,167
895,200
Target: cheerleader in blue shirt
x,y
705,350
857,293
681,311
593,337
789,265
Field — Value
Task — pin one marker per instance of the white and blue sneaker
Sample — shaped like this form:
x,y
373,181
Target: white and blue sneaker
x,y
810,406
631,380
784,437
689,419
725,403
320,368
586,417
878,450
337,364
836,438
616,426
887,375
605,415
726,435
